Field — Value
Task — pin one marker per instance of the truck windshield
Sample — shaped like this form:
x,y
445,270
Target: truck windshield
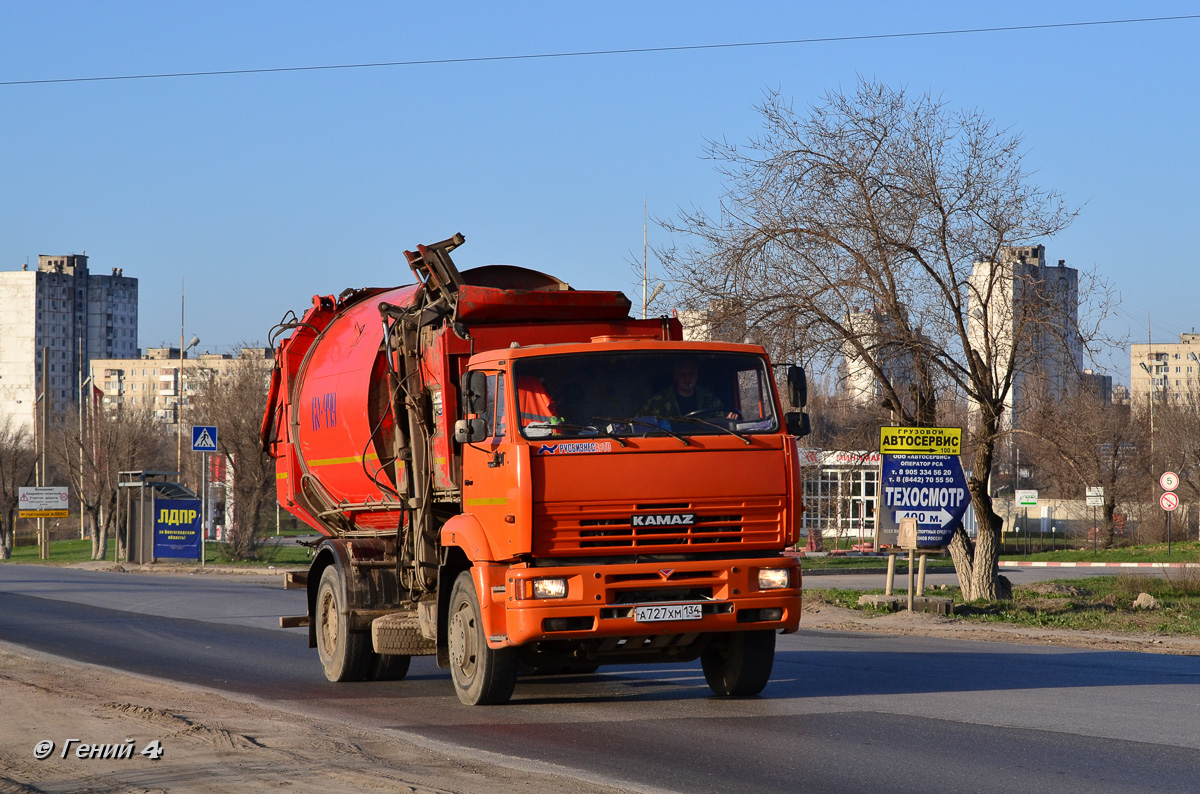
x,y
680,393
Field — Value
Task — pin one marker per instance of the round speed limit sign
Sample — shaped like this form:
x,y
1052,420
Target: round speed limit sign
x,y
1169,481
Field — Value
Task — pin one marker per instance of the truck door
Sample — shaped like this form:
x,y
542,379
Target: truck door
x,y
494,474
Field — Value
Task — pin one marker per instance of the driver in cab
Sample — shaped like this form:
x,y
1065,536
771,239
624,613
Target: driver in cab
x,y
684,396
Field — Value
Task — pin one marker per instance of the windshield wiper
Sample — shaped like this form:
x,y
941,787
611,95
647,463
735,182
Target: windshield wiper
x,y
722,428
572,426
644,423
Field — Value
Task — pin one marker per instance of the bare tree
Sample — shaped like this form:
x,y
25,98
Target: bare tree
x,y
235,401
1177,441
114,440
18,463
1081,439
878,202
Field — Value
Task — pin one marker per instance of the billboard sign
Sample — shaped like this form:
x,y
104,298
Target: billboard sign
x,y
44,501
930,489
920,440
1027,498
177,528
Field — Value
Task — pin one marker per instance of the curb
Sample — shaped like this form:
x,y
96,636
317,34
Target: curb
x,y
1044,564
900,571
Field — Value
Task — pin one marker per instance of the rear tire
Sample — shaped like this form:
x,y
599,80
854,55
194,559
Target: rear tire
x,y
739,664
388,667
344,655
482,675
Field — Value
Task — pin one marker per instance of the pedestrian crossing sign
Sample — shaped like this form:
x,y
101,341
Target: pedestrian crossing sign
x,y
204,438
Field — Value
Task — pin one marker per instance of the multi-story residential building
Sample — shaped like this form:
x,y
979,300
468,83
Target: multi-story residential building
x,y
879,333
154,382
722,320
1098,385
74,317
1021,301
1170,369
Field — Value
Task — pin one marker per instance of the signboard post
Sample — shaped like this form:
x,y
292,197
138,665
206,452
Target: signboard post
x,y
204,441
1025,499
1095,498
42,502
923,493
46,501
1169,500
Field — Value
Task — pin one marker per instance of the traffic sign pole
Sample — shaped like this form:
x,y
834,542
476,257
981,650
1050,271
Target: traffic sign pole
x,y
204,441
203,506
1168,502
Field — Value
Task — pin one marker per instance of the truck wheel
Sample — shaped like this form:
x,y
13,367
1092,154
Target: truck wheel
x,y
482,675
739,664
388,667
344,655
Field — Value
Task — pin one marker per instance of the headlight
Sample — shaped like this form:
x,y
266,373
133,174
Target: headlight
x,y
774,578
549,588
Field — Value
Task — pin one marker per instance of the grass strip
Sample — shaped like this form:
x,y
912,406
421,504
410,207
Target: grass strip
x,y
69,551
1101,603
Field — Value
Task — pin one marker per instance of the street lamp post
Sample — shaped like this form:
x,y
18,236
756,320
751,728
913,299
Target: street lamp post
x,y
179,401
1150,375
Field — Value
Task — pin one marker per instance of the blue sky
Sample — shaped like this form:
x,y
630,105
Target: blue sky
x,y
263,190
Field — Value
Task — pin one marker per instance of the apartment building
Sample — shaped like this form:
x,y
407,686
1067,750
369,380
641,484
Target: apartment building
x,y
60,308
1168,370
1022,301
158,380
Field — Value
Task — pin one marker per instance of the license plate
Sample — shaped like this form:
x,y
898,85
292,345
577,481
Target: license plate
x,y
660,612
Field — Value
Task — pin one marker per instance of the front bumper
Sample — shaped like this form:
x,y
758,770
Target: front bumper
x,y
601,600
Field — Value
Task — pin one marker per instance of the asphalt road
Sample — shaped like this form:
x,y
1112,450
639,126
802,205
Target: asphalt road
x,y
844,712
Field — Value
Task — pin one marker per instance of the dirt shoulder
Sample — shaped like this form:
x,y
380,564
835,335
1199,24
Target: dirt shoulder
x,y
212,743
818,615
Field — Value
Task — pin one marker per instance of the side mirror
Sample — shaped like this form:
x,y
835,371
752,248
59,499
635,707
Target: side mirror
x,y
474,392
797,384
797,423
470,431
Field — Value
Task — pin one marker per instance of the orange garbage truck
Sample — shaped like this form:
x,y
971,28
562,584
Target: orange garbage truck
x,y
512,475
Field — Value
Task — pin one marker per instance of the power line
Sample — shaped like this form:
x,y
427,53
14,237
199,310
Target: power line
x,y
593,53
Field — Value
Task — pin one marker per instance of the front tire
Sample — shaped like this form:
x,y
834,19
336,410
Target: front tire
x,y
344,655
482,675
739,664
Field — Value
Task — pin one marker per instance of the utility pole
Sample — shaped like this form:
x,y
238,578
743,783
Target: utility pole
x,y
179,399
179,394
82,398
645,260
43,528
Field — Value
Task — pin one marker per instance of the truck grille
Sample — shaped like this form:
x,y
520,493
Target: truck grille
x,y
567,529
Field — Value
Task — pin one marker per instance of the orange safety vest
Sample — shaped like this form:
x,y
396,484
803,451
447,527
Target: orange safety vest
x,y
534,402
